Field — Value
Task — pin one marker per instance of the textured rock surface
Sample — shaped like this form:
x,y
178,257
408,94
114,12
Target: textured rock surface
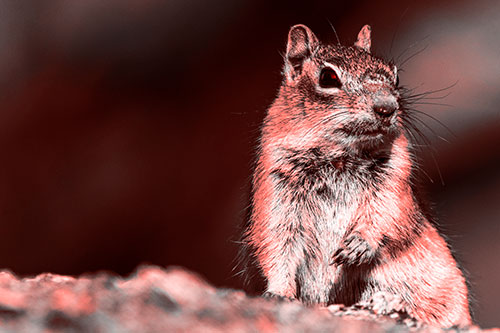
x,y
155,299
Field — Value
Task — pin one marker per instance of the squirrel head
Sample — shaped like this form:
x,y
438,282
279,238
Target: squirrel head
x,y
335,95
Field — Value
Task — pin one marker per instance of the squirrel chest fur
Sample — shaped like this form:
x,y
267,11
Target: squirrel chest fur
x,y
334,217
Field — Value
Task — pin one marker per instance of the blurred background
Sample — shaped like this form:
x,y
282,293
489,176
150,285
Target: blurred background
x,y
128,127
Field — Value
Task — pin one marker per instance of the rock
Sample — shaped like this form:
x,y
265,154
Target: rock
x,y
173,299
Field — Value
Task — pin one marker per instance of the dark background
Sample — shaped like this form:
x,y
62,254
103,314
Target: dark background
x,y
128,127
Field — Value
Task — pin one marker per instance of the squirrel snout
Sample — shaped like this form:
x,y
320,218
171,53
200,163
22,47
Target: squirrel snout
x,y
384,110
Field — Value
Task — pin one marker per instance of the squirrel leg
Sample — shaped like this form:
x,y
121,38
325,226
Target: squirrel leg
x,y
280,274
279,265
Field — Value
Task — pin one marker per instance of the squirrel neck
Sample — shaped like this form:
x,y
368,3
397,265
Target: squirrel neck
x,y
391,164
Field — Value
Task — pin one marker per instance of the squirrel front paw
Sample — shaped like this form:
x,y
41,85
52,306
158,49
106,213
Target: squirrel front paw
x,y
354,250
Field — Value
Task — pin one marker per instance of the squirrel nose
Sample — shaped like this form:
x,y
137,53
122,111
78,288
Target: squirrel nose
x,y
384,110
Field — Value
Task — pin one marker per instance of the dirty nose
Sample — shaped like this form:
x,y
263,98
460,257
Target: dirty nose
x,y
384,110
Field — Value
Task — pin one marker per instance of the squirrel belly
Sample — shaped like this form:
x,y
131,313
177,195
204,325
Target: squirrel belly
x,y
334,217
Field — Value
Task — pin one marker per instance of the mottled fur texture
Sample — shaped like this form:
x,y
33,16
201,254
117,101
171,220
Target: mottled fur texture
x,y
334,218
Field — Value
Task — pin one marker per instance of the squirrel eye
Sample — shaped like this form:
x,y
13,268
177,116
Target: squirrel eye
x,y
397,81
329,79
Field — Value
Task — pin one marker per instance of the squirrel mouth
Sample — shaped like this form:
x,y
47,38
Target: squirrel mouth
x,y
366,132
370,137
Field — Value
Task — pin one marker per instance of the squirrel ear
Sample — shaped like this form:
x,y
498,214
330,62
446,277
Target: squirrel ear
x,y
301,44
364,41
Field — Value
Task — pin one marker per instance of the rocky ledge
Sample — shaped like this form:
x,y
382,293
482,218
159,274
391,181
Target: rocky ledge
x,y
173,299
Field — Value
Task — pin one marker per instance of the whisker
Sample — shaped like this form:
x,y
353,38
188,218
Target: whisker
x,y
435,119
411,46
342,115
438,168
412,56
428,127
424,97
432,103
430,92
397,27
431,150
418,131
416,159
334,31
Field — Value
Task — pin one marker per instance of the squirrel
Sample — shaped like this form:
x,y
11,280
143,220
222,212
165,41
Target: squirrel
x,y
334,216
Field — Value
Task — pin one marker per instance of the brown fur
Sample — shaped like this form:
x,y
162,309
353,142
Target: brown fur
x,y
334,218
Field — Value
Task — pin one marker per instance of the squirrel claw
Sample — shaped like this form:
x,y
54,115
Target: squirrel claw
x,y
354,251
270,295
